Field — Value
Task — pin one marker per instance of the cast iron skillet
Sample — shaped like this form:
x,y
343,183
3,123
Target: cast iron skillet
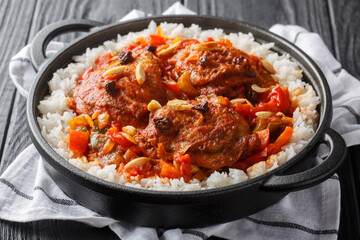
x,y
181,209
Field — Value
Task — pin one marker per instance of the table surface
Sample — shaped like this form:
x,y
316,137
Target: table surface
x,y
337,22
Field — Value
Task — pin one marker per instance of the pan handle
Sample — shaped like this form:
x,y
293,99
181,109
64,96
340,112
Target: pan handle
x,y
315,175
42,38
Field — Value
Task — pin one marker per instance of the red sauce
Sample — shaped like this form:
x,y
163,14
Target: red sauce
x,y
224,120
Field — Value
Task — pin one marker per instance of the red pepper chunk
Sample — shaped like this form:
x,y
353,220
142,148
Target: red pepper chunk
x,y
156,40
173,86
185,167
119,138
278,101
243,109
257,157
78,141
169,170
209,39
280,141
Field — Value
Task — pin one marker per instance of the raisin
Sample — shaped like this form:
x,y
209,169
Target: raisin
x,y
252,96
163,124
204,61
202,107
150,48
110,88
125,57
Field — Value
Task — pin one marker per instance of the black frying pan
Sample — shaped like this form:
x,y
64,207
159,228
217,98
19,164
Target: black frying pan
x,y
192,208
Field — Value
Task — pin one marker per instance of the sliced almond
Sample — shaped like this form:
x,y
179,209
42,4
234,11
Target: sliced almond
x,y
258,89
137,162
95,115
95,162
109,145
114,70
129,137
241,101
140,74
89,120
129,130
153,105
206,46
280,114
194,169
264,114
168,50
176,164
114,58
176,40
178,105
249,103
186,86
268,66
238,100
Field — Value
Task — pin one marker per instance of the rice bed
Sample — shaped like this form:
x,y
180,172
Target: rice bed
x,y
55,113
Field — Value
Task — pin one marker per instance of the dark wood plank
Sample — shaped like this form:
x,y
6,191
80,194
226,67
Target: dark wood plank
x,y
109,11
15,18
346,22
312,15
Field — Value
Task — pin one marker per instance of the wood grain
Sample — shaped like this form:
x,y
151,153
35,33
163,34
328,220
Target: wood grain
x,y
346,22
15,21
312,15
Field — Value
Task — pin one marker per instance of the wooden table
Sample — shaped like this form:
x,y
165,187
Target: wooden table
x,y
337,22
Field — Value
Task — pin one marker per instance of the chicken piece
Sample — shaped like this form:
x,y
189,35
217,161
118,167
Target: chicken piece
x,y
221,71
120,94
213,135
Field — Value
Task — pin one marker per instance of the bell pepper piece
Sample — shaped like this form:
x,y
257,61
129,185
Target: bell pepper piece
x,y
225,42
257,157
119,138
282,140
78,141
169,170
173,86
156,40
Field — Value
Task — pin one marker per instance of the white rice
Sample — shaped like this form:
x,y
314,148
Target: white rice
x,y
55,112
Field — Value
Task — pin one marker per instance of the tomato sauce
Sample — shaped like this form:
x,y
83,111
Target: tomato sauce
x,y
178,108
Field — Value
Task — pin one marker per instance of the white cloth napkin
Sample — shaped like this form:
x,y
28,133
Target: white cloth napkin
x,y
29,194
